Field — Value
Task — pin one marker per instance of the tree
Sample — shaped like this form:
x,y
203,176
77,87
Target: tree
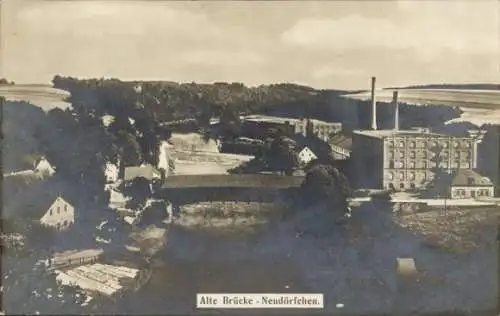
x,y
129,148
324,183
282,155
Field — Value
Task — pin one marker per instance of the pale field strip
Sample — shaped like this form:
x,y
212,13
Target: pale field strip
x,y
43,96
73,278
108,280
97,277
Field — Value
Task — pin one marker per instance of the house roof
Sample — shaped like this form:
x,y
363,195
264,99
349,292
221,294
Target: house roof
x,y
34,201
146,171
341,141
468,177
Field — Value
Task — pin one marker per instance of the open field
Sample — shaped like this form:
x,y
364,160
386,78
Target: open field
x,y
236,180
43,96
483,99
458,229
195,156
479,106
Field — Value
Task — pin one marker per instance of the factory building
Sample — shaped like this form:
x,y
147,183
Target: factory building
x,y
409,159
323,130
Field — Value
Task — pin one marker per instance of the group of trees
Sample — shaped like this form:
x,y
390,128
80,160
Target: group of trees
x,y
326,184
4,81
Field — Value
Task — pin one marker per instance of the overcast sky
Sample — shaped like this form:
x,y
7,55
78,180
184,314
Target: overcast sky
x,y
327,44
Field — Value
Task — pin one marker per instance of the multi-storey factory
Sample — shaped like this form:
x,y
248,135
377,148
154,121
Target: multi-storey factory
x,y
408,159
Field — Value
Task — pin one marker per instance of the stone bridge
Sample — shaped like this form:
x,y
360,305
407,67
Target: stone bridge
x,y
187,189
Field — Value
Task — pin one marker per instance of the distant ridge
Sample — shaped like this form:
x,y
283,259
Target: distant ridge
x,y
466,86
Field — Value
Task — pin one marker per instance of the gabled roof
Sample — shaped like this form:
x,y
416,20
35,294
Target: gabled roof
x,y
341,140
147,171
468,177
34,201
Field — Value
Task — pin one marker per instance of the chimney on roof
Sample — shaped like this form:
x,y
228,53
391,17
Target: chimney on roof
x,y
374,105
396,109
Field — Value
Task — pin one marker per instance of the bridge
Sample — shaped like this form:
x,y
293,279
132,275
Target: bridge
x,y
187,189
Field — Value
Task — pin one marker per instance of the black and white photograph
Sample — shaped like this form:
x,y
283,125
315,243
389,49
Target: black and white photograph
x,y
250,157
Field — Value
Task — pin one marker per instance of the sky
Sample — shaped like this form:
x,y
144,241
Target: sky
x,y
323,44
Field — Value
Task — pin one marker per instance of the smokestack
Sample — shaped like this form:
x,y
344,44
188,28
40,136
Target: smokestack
x,y
396,109
374,105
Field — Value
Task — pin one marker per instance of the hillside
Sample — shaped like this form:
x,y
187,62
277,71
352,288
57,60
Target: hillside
x,y
457,86
43,96
171,101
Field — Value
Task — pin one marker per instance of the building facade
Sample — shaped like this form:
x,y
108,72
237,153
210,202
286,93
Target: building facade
x,y
468,184
404,160
341,146
60,215
321,129
306,155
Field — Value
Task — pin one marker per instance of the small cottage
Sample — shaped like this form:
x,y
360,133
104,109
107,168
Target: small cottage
x,y
43,166
111,171
469,184
49,211
145,171
45,202
306,155
341,146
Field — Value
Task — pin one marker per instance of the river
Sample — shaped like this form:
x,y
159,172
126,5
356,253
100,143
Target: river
x,y
353,265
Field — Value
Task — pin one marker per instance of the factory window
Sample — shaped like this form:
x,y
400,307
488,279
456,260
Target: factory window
x,y
390,176
401,154
412,154
411,165
464,165
424,154
412,185
401,175
467,145
400,164
412,175
50,211
391,154
401,144
391,143
455,144
457,154
65,208
434,144
445,145
391,164
412,144
391,186
401,185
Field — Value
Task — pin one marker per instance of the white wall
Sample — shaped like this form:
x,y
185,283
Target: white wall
x,y
59,214
468,192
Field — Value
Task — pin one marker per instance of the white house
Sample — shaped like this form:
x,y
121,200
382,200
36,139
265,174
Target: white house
x,y
60,215
43,166
111,172
306,155
341,146
165,158
468,184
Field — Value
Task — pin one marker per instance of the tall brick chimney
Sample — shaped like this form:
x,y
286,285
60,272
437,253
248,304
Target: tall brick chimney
x,y
374,105
396,109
